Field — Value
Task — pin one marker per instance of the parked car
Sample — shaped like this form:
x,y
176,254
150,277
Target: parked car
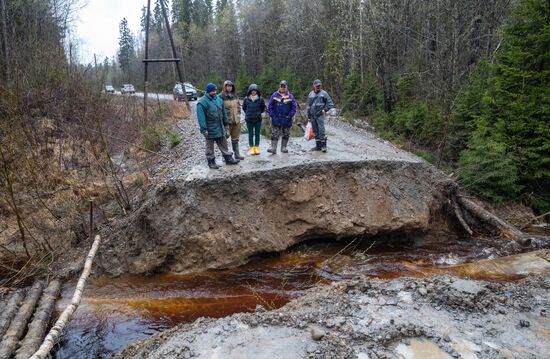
x,y
190,90
127,88
109,89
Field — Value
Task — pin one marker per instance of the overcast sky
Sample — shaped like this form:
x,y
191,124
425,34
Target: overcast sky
x,y
97,26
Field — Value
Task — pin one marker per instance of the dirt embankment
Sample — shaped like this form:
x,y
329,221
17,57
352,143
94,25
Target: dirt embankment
x,y
441,317
222,221
198,219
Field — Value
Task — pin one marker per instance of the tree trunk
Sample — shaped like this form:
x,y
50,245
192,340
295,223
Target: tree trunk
x,y
40,321
57,330
19,323
504,228
10,310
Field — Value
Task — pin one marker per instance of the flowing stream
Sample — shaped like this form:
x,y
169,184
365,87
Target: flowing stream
x,y
118,311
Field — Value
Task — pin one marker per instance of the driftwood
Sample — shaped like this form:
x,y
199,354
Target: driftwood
x,y
57,330
505,229
459,216
10,310
40,322
19,323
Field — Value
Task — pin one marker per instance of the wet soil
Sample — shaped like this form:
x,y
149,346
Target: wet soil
x,y
118,311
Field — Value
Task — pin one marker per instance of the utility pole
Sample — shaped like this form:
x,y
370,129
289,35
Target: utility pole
x,y
145,63
174,58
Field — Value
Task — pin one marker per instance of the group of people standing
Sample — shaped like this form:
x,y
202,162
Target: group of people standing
x,y
219,118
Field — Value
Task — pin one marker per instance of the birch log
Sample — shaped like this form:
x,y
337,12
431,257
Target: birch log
x,y
55,333
40,321
19,323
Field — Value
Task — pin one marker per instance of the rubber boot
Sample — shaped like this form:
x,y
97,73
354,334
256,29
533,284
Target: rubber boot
x,y
230,160
284,143
236,152
273,148
317,146
324,145
257,150
252,151
212,164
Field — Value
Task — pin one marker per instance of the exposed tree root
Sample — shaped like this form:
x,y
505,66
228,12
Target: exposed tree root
x,y
19,323
459,216
40,321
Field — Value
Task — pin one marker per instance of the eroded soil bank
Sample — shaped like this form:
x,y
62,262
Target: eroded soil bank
x,y
196,219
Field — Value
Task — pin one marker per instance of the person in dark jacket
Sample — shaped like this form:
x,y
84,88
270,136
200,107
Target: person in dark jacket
x,y
253,107
281,109
318,102
233,109
212,122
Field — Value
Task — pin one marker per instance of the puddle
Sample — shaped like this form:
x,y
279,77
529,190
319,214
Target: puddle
x,y
421,349
116,312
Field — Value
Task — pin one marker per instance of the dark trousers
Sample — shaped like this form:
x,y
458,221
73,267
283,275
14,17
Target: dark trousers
x,y
222,145
254,131
318,125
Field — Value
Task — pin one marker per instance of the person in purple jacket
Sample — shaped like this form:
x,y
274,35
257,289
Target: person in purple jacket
x,y
281,109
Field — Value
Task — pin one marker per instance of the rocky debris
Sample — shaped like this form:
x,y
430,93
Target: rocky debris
x,y
190,221
376,319
317,333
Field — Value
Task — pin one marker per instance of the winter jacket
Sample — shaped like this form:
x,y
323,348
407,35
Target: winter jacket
x,y
231,103
281,109
253,109
212,116
317,102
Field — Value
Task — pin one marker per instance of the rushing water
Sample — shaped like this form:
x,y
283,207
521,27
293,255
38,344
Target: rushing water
x,y
116,312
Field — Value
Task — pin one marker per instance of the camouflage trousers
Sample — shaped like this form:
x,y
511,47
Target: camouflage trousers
x,y
280,131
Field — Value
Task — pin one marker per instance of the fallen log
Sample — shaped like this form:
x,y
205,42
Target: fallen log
x,y
55,333
39,324
459,216
10,310
19,323
504,228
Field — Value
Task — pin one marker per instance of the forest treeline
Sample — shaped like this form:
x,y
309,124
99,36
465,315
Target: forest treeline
x,y
464,84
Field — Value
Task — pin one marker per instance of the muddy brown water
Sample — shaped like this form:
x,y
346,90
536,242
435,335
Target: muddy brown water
x,y
118,311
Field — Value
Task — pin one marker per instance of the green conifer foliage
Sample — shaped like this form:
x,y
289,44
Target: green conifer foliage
x,y
512,133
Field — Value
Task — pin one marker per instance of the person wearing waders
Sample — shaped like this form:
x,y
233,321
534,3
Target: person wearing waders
x,y
318,103
212,122
233,109
281,109
253,107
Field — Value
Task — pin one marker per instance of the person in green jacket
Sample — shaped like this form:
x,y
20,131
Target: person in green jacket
x,y
213,122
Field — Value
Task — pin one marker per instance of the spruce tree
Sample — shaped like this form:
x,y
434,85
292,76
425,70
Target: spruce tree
x,y
126,48
510,146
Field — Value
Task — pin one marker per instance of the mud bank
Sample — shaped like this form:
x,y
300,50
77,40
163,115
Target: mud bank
x,y
439,317
220,222
197,219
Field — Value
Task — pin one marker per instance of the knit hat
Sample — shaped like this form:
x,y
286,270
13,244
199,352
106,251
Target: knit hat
x,y
283,83
210,87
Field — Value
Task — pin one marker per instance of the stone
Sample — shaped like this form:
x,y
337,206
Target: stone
x,y
317,333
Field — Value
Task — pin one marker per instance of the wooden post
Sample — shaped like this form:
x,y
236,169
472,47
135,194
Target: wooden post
x,y
174,54
146,63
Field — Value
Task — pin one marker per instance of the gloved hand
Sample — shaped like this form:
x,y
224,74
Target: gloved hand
x,y
205,134
227,132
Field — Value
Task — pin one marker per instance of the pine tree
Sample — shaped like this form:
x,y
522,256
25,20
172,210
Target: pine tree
x,y
513,130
